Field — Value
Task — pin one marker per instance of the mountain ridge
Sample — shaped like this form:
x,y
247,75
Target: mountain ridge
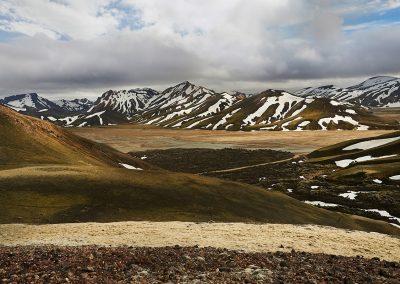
x,y
187,105
378,91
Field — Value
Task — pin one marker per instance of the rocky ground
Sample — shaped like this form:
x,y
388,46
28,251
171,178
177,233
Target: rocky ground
x,y
196,160
92,264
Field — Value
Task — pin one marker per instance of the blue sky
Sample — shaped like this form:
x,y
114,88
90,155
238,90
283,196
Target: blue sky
x,y
373,19
74,47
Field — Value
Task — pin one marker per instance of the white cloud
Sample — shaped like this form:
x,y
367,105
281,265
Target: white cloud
x,y
73,18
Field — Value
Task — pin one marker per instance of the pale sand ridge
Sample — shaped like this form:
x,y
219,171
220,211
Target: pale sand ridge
x,y
236,236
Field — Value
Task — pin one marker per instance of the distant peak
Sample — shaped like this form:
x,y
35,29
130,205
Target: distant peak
x,y
186,83
33,95
376,80
383,77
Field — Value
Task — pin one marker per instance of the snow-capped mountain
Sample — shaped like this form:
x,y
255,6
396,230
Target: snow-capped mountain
x,y
127,102
271,110
177,104
28,103
163,108
113,107
319,92
183,95
34,105
186,105
75,105
381,91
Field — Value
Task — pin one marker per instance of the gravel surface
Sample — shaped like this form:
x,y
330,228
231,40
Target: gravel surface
x,y
92,264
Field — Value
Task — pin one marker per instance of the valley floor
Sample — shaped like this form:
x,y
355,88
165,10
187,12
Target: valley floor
x,y
133,138
232,236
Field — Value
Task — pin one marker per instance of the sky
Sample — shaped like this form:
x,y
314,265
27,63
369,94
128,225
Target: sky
x,y
76,48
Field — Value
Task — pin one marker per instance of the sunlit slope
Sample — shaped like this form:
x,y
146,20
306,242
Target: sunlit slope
x,y
76,194
28,141
61,178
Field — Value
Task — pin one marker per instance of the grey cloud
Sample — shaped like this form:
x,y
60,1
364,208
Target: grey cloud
x,y
40,63
224,55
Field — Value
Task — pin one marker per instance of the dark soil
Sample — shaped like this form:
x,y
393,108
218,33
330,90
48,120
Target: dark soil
x,y
311,181
204,160
185,265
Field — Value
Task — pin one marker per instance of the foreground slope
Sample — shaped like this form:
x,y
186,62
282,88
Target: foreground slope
x,y
29,141
63,178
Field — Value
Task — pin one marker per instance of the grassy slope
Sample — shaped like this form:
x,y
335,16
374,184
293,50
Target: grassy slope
x,y
60,179
75,194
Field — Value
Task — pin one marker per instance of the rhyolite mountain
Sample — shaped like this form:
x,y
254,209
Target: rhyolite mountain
x,y
28,102
186,105
195,107
381,91
114,107
269,110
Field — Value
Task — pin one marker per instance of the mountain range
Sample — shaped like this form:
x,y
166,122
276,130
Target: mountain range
x,y
195,107
381,91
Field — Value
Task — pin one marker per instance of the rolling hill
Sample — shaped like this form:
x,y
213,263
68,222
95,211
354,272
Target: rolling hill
x,y
381,91
56,177
26,141
376,157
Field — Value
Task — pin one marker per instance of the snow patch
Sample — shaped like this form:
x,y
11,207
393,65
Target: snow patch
x,y
365,145
322,204
350,194
130,167
346,162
